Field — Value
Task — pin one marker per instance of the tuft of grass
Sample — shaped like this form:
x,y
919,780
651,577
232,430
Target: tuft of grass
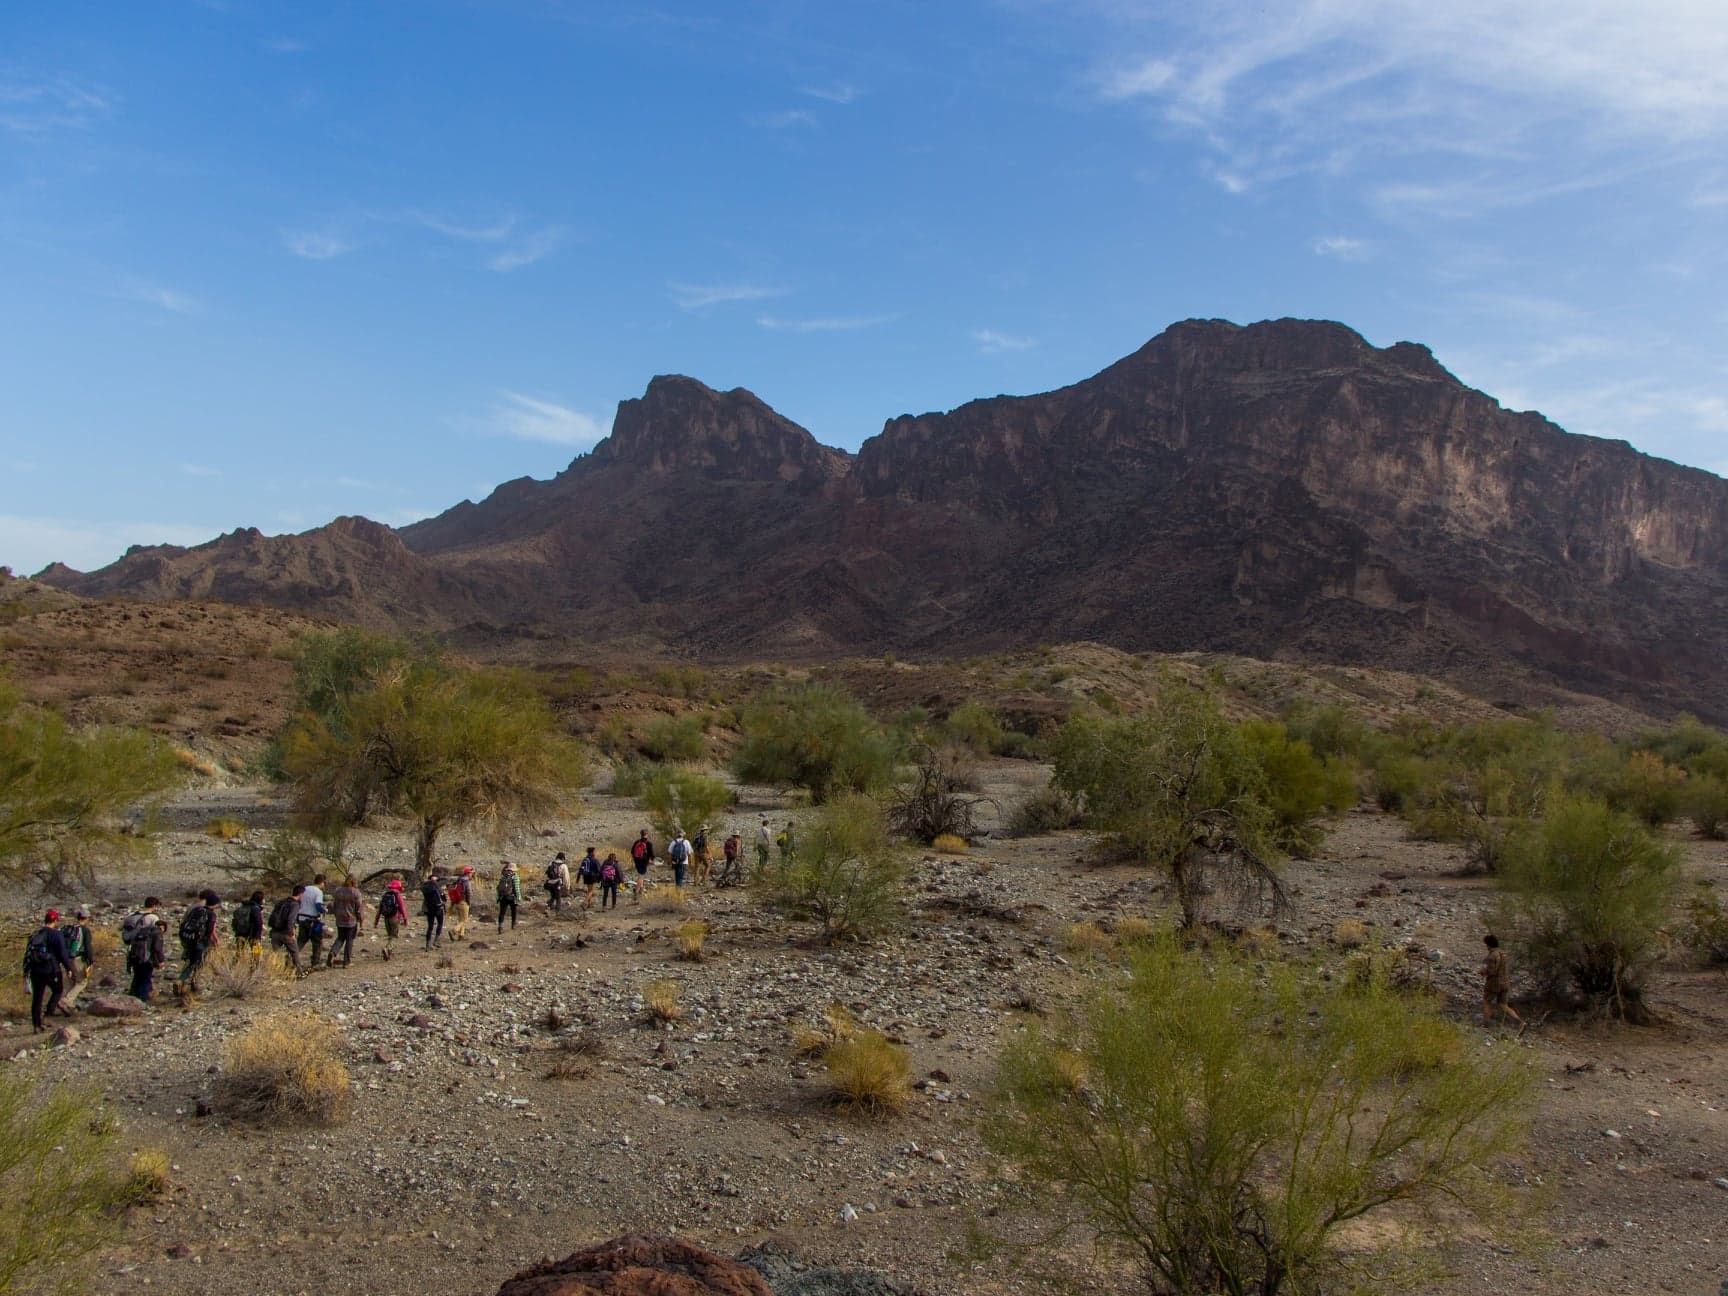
x,y
688,939
224,829
1350,933
1135,930
1258,942
869,1073
285,1065
837,1025
661,999
948,844
584,1043
242,972
104,941
149,1173
186,758
569,1067
1068,1071
1086,940
665,900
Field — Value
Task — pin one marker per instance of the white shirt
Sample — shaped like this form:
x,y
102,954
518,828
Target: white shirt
x,y
311,900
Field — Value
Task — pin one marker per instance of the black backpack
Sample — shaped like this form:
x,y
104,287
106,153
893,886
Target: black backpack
x,y
282,915
391,905
195,926
36,955
247,920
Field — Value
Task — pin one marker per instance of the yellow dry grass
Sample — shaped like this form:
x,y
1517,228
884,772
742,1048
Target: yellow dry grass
x,y
948,844
688,938
224,829
285,1065
1085,940
869,1073
1350,933
243,971
1134,930
661,1000
665,900
837,1025
149,1172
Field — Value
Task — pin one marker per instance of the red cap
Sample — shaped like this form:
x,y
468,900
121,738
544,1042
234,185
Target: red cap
x,y
395,884
53,915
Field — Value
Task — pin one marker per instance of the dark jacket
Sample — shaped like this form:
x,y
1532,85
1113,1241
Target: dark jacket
x,y
589,869
149,948
52,944
248,921
431,897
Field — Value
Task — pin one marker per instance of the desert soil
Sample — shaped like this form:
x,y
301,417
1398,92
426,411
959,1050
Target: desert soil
x,y
463,1161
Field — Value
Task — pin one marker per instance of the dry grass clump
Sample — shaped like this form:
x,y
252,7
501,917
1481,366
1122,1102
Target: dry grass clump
x,y
1085,940
148,1174
1134,930
104,941
837,1025
661,999
665,900
1068,1070
1350,933
224,829
948,844
186,758
285,1065
688,938
244,972
1258,942
869,1073
584,1043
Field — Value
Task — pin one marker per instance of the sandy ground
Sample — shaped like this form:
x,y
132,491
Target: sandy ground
x,y
464,1161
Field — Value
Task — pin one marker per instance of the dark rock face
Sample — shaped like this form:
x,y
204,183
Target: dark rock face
x,y
1282,489
639,1266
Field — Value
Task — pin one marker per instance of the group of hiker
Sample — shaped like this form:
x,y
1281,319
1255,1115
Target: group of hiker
x,y
301,924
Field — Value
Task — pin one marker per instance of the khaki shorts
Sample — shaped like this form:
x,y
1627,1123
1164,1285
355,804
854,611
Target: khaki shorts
x,y
1496,995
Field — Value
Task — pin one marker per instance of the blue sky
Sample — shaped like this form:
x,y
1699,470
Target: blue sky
x,y
264,263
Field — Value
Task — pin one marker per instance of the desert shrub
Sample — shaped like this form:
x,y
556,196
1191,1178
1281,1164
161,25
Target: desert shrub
x,y
1134,930
938,800
631,777
285,1065
235,971
1350,933
613,737
837,1024
1706,929
1589,889
291,855
673,738
665,900
814,736
948,844
1182,790
63,1180
689,938
1302,790
1396,777
682,798
1330,730
1050,809
869,1073
149,1173
1086,940
660,999
224,829
680,681
1236,1119
1641,784
1706,805
846,873
974,725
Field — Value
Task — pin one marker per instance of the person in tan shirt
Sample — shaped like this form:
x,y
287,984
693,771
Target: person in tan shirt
x,y
1497,984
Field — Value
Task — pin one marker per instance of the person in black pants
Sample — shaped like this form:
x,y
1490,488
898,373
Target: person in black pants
x,y
46,960
509,895
432,907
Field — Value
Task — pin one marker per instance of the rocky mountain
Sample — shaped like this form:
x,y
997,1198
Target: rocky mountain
x,y
1283,489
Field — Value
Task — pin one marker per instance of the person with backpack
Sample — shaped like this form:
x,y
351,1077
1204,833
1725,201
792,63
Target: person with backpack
x,y
509,895
679,853
349,908
611,874
557,881
80,944
788,846
699,852
197,939
284,927
588,874
46,958
432,907
141,934
641,855
247,924
393,913
764,839
731,849
461,898
309,923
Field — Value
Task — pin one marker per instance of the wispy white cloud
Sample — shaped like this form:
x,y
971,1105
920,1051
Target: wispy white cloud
x,y
154,294
517,243
33,106
838,93
492,231
1341,246
28,544
990,342
526,249
785,119
824,323
530,418
694,296
287,45
317,245
200,470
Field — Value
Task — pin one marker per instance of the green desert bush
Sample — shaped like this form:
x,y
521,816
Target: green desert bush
x,y
1049,809
673,738
976,726
682,798
818,737
1706,805
1707,924
1589,889
1232,1122
1329,730
846,874
1641,783
1303,790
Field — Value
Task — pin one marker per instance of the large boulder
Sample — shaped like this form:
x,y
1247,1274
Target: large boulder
x,y
639,1266
114,1006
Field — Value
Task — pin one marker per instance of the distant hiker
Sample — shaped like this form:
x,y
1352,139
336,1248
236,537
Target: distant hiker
x,y
764,839
641,855
679,853
80,944
557,881
46,964
309,925
588,873
1497,984
197,939
788,846
247,924
509,895
699,851
392,912
284,926
461,897
432,907
611,874
141,933
348,907
732,849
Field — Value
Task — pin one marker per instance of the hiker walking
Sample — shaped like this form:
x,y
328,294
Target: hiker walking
x,y
309,924
704,860
788,846
679,853
588,873
81,945
461,899
509,895
141,932
1497,984
247,924
641,855
284,927
45,960
348,907
432,907
730,850
392,912
611,874
557,881
197,939
764,839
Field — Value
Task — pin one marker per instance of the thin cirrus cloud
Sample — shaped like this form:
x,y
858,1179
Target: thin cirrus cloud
x,y
1341,247
786,119
823,323
41,105
991,342
695,296
838,93
154,294
316,245
516,245
529,418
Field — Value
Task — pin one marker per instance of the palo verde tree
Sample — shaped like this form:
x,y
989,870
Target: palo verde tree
x,y
65,794
845,873
438,744
818,737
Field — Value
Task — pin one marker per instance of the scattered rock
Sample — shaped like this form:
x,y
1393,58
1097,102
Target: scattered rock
x,y
65,1037
114,1006
639,1266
